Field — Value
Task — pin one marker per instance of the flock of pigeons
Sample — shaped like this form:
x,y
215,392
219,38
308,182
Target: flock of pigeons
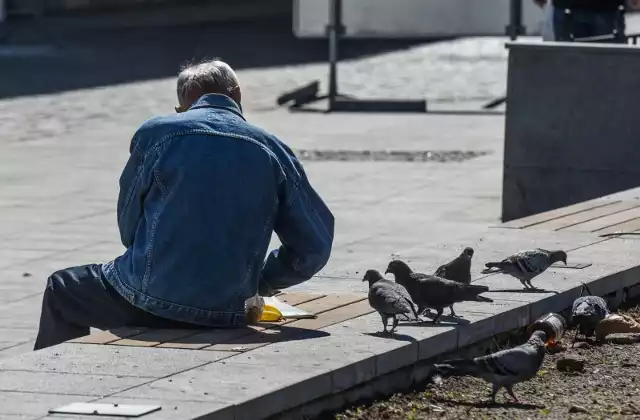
x,y
450,284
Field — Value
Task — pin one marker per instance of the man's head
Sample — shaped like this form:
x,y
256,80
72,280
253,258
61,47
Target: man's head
x,y
213,76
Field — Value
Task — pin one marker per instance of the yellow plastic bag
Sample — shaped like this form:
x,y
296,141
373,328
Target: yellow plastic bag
x,y
271,314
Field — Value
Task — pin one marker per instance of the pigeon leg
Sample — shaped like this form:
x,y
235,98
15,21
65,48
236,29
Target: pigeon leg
x,y
509,389
524,283
395,324
494,390
452,311
384,322
531,285
438,315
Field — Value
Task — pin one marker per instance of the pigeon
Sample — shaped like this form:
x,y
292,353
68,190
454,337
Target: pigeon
x,y
434,292
388,298
586,312
457,270
526,265
504,368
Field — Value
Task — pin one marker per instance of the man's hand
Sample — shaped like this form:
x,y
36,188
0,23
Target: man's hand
x,y
540,3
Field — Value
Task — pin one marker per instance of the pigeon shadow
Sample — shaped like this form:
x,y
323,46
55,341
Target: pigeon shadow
x,y
536,290
393,336
448,320
491,404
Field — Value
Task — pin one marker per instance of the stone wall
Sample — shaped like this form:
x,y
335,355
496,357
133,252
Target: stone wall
x,y
572,127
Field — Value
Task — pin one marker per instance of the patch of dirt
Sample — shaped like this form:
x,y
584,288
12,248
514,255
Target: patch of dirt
x,y
607,388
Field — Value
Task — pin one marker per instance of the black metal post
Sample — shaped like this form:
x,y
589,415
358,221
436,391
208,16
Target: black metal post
x,y
334,31
515,27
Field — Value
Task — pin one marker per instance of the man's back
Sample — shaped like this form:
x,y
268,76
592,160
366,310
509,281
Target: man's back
x,y
214,187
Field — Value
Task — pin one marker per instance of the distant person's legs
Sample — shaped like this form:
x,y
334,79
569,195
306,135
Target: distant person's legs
x,y
583,24
78,298
547,23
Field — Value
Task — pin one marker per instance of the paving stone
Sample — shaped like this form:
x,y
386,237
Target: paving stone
x,y
154,337
33,404
106,337
65,383
210,338
348,359
110,360
170,410
243,385
18,348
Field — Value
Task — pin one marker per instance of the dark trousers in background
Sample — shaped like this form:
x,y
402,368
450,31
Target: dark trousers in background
x,y
584,24
79,298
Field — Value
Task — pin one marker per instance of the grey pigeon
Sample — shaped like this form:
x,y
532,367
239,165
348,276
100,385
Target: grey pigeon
x,y
434,292
388,298
504,368
586,312
457,270
526,265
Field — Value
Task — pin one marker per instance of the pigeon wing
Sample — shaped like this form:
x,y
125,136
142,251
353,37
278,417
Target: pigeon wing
x,y
518,362
533,261
387,300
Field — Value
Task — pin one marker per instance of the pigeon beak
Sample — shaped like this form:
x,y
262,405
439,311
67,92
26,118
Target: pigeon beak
x,y
387,271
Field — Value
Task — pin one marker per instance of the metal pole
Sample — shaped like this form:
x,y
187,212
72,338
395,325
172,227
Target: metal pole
x,y
334,30
515,25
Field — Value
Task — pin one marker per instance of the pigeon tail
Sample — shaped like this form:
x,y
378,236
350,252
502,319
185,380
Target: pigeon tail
x,y
499,265
457,367
477,288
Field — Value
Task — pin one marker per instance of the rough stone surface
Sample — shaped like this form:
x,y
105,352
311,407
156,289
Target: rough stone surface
x,y
623,338
571,363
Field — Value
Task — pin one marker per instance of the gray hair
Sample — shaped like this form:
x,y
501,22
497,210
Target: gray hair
x,y
212,76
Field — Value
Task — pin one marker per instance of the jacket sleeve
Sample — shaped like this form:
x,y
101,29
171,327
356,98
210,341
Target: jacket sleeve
x,y
133,189
305,227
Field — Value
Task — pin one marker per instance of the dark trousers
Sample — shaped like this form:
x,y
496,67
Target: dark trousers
x,y
78,298
584,24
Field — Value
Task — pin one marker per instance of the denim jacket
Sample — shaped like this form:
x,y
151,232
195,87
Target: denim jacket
x,y
200,196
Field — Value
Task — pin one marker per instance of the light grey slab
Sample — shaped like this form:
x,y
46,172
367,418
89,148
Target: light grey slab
x,y
349,359
413,341
18,348
257,390
34,404
65,383
111,360
176,410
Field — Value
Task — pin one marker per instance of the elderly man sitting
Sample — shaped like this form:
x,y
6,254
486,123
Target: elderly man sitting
x,y
200,196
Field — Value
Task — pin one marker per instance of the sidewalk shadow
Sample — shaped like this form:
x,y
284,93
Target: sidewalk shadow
x,y
229,339
85,58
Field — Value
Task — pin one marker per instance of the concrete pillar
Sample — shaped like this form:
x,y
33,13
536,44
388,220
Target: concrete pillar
x,y
572,125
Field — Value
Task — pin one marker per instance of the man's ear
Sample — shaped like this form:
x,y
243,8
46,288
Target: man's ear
x,y
236,95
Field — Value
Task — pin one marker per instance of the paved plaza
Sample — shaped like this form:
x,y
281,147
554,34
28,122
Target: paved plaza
x,y
62,151
62,154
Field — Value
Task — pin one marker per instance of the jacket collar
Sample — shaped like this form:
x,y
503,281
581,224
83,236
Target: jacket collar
x,y
214,100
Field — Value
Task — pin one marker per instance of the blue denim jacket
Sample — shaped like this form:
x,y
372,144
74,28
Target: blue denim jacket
x,y
200,196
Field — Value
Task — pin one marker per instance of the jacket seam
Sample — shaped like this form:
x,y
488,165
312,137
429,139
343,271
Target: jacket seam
x,y
213,133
